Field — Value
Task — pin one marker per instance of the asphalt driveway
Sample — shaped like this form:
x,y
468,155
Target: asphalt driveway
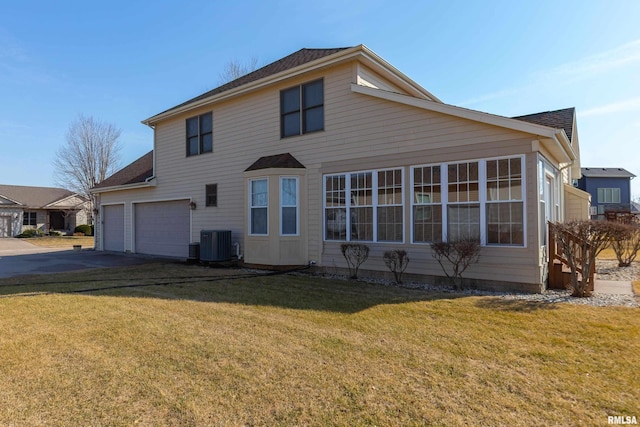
x,y
18,258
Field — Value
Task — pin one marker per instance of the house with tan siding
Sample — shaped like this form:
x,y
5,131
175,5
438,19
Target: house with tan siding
x,y
328,146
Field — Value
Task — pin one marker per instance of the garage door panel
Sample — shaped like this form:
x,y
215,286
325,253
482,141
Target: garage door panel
x,y
113,228
163,228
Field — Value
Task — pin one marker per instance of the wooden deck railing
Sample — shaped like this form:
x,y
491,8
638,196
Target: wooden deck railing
x,y
556,275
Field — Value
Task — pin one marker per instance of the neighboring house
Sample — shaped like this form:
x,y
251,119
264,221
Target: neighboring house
x,y
327,146
44,208
610,190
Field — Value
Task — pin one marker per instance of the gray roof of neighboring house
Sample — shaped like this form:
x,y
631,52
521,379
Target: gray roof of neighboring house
x,y
34,197
136,172
291,61
558,119
606,173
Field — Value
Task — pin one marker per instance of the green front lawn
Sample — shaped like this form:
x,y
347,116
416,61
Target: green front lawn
x,y
193,349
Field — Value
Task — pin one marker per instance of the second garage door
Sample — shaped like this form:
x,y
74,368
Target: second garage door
x,y
163,228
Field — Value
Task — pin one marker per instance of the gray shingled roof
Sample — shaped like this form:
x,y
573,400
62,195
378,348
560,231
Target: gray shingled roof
x,y
291,61
34,197
558,119
136,172
606,173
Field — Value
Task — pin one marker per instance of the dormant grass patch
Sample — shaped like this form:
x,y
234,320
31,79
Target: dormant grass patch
x,y
188,345
62,241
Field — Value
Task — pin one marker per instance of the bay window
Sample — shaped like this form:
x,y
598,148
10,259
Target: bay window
x,y
288,206
258,202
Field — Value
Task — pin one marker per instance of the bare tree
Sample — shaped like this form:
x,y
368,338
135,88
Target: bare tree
x,y
581,242
91,154
236,68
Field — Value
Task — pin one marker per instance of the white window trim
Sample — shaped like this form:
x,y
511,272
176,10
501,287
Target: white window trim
x,y
482,198
378,205
297,206
374,205
251,207
523,200
443,198
444,184
613,191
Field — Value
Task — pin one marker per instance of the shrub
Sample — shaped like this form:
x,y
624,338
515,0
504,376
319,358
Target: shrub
x,y
396,261
355,254
31,232
86,229
460,254
625,243
55,233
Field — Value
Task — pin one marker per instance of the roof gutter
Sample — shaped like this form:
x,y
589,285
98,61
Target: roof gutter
x,y
146,184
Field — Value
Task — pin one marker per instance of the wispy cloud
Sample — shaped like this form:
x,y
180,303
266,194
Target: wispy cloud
x,y
615,107
17,66
600,63
10,49
591,66
488,97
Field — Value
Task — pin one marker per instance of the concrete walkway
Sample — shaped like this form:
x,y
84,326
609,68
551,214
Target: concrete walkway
x,y
618,287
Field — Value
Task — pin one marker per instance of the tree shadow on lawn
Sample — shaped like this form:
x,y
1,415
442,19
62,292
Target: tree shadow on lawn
x,y
185,282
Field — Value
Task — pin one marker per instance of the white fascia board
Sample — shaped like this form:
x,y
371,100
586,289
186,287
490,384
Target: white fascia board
x,y
392,73
146,184
360,51
12,201
52,204
557,135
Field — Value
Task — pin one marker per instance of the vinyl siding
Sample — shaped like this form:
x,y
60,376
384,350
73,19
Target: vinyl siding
x,y
361,133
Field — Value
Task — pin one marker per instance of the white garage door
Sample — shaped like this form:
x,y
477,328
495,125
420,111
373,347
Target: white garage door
x,y
113,228
162,228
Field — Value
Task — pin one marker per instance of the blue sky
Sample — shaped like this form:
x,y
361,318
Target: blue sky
x,y
122,62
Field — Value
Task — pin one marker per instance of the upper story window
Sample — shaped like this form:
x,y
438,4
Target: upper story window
x,y
608,195
302,109
200,134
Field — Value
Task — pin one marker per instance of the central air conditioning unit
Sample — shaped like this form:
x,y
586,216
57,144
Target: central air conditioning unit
x,y
215,245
